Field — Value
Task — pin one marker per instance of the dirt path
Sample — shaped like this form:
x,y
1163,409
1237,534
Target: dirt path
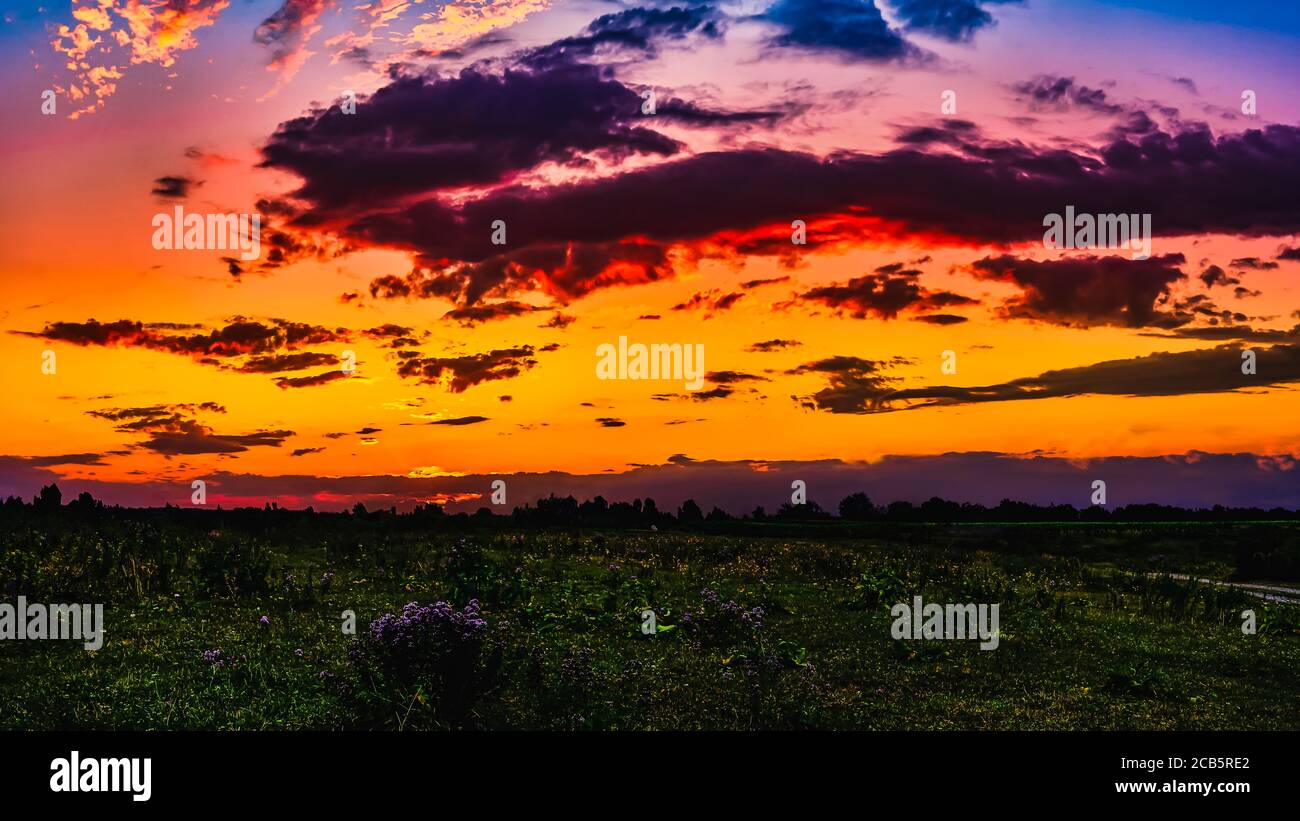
x,y
1268,592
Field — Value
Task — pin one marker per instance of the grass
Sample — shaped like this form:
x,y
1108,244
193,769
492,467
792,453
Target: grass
x,y
1090,638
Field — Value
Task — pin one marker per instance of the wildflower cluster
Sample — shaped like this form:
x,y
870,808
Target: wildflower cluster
x,y
722,623
222,661
433,650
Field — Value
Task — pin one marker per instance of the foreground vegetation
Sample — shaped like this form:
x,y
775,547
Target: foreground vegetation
x,y
236,622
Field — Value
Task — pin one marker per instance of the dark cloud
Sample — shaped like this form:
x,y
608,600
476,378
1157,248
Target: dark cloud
x,y
1088,291
757,283
461,372
174,430
239,337
948,132
610,422
278,363
565,270
82,459
305,451
1060,93
460,420
955,20
850,29
711,302
883,296
855,385
417,140
315,380
720,392
388,331
243,345
471,315
1212,370
941,319
637,30
475,129
173,187
732,377
1214,275
770,345
1253,263
1229,333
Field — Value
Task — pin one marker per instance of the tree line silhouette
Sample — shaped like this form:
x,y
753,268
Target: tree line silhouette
x,y
567,511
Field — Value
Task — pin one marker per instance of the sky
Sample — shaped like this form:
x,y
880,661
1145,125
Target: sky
x,y
840,202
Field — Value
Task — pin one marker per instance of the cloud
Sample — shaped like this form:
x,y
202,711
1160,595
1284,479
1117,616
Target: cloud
x,y
80,459
1088,291
883,295
110,36
856,385
315,380
174,430
417,135
853,30
458,373
732,377
459,420
610,422
636,30
243,345
474,314
1243,184
1214,275
758,283
278,363
286,33
565,271
956,20
239,337
769,345
1253,263
1211,370
173,187
458,22
1225,333
1049,92
711,302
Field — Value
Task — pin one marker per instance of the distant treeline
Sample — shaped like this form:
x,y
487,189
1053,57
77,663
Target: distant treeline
x,y
567,511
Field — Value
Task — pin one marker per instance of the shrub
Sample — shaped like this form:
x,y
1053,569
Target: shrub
x,y
427,656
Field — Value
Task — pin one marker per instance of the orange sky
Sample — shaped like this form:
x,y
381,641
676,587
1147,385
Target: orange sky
x,y
75,246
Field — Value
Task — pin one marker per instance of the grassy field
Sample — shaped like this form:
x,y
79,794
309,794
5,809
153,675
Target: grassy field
x,y
243,628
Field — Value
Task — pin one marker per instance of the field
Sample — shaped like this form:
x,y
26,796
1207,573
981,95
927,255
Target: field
x,y
238,622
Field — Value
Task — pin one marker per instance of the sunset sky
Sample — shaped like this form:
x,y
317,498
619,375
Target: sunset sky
x,y
824,361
